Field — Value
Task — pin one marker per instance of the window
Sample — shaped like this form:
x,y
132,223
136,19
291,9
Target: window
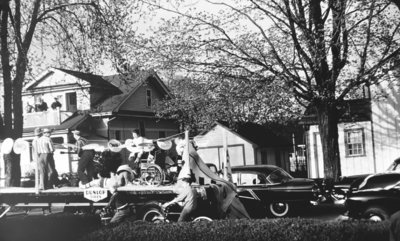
x,y
250,178
71,101
148,98
354,141
118,134
57,140
161,134
142,129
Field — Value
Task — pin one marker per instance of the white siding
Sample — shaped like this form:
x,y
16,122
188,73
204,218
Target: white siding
x,y
382,134
241,151
386,113
349,165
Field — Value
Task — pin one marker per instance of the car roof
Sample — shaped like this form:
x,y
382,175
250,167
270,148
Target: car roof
x,y
263,168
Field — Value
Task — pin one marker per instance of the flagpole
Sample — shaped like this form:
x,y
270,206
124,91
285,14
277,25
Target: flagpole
x,y
186,153
36,175
224,151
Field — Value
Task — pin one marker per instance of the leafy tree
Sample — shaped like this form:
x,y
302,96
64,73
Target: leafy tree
x,y
198,104
34,34
323,51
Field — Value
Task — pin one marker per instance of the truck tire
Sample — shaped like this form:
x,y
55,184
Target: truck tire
x,y
151,213
376,213
278,209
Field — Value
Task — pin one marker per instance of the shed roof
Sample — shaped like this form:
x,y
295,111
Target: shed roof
x,y
259,135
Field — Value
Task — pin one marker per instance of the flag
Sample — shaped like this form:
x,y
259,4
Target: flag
x,y
228,170
225,190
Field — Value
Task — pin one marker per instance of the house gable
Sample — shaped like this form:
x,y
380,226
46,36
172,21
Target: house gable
x,y
210,143
143,97
133,100
57,79
54,79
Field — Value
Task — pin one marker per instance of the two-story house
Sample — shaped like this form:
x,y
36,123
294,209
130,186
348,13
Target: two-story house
x,y
369,132
102,107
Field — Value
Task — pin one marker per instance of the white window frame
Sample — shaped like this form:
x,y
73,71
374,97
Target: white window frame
x,y
354,147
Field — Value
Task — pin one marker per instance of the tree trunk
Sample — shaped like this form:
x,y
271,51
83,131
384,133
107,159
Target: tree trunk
x,y
6,71
327,122
17,98
12,169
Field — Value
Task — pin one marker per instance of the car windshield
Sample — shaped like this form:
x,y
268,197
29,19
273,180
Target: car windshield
x,y
394,167
278,176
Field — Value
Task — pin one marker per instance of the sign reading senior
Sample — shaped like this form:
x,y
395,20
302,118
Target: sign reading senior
x,y
95,194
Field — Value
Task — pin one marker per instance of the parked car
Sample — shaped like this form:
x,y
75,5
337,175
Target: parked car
x,y
375,197
274,191
340,188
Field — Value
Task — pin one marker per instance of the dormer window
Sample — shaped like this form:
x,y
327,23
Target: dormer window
x,y
148,98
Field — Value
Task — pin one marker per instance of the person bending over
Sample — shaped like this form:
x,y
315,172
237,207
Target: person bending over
x,y
188,196
123,177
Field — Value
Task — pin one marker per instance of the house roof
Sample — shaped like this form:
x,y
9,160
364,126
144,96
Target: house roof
x,y
128,84
119,88
256,134
95,81
261,135
71,123
354,111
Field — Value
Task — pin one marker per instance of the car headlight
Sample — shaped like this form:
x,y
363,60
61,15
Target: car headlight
x,y
316,190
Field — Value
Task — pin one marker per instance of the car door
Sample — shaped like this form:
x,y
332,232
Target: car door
x,y
248,187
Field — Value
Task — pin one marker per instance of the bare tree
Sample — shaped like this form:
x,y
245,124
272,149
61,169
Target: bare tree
x,y
324,51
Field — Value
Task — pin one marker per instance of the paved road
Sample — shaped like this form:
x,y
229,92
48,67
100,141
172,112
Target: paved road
x,y
322,212
328,212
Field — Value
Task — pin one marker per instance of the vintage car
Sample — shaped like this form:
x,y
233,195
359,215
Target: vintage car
x,y
341,187
375,197
274,191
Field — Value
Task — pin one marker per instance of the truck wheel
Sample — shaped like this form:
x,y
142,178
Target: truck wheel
x,y
376,214
151,213
278,209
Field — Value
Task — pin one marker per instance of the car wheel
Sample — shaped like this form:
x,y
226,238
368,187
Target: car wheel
x,y
376,214
152,213
202,218
278,209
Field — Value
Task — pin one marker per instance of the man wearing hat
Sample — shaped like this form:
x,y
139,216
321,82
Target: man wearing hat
x,y
119,201
134,157
46,160
85,164
186,194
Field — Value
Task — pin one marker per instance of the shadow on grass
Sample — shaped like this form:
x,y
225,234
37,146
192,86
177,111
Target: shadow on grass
x,y
55,227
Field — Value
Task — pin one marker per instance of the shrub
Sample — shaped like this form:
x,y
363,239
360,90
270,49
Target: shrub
x,y
294,229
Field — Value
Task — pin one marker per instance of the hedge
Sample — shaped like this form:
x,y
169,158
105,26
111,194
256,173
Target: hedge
x,y
293,229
